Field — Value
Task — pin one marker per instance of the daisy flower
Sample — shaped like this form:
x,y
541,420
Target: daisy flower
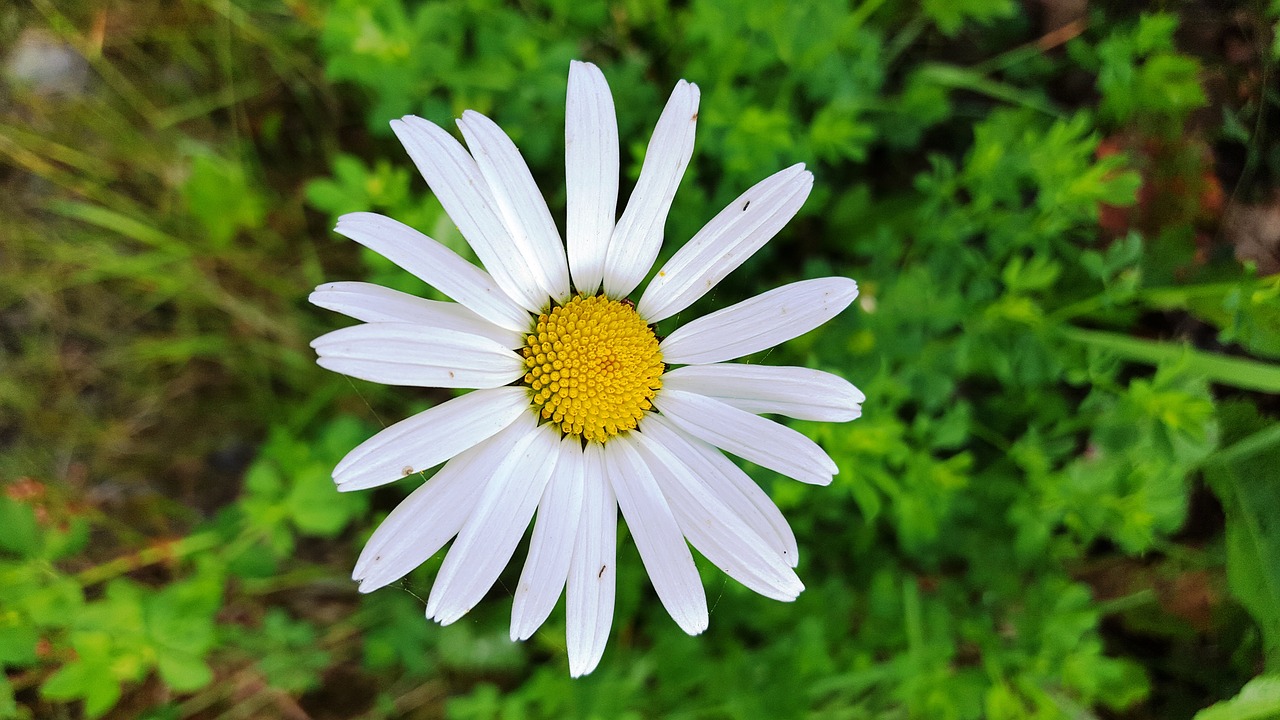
x,y
577,408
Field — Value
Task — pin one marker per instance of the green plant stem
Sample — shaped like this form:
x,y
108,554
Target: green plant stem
x,y
1125,603
1236,372
300,577
1257,442
1163,298
960,78
170,550
417,695
905,38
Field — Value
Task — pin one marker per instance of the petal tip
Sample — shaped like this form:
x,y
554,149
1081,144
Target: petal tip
x,y
696,628
579,669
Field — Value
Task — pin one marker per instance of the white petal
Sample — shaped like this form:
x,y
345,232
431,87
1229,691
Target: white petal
x,y
376,304
430,437
751,437
726,242
457,181
796,392
592,571
551,548
417,356
657,535
436,265
734,487
759,323
638,235
591,173
490,535
435,512
520,204
716,530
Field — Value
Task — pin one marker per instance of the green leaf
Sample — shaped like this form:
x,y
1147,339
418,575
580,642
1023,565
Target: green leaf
x,y
316,507
121,224
263,479
101,694
1142,77
174,623
222,198
284,650
1258,700
950,15
1155,32
1243,477
67,683
394,634
59,544
8,705
81,680
18,645
21,534
56,604
182,671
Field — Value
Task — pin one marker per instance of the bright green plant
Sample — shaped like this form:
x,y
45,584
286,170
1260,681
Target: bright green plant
x,y
1050,404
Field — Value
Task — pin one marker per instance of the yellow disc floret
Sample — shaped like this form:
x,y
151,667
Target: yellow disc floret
x,y
592,366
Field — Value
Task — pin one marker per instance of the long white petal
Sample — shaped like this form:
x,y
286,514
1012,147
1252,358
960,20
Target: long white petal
x,y
376,304
796,392
751,437
457,181
759,323
638,235
489,537
715,529
591,173
423,522
592,570
734,487
436,265
551,547
658,538
726,242
417,356
520,204
430,437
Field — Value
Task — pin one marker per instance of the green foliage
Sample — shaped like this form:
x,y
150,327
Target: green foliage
x,y
130,632
951,15
1142,77
289,489
1044,396
98,644
109,641
437,59
1258,700
25,538
395,636
284,651
1242,475
222,198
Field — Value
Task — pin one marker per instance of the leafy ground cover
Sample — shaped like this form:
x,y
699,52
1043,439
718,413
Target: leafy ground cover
x,y
1060,501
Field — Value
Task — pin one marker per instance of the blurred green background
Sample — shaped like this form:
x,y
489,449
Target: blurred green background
x,y
1061,501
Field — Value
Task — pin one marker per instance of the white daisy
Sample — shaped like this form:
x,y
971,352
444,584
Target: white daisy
x,y
576,410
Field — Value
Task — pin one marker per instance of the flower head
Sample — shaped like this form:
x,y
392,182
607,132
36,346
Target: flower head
x,y
575,410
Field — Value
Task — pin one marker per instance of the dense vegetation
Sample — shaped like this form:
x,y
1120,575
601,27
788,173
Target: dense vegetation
x,y
1060,501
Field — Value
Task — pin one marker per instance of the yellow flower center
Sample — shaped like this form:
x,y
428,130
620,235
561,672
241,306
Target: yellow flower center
x,y
593,366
